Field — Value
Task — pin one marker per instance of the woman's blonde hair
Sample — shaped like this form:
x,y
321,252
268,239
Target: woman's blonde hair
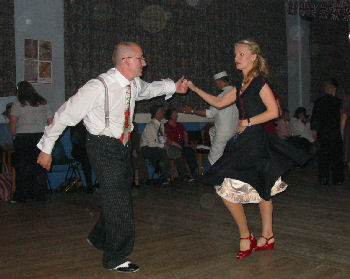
x,y
260,65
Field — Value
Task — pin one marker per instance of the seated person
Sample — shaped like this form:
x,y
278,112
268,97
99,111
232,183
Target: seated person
x,y
154,145
5,132
300,126
176,134
138,162
78,136
283,128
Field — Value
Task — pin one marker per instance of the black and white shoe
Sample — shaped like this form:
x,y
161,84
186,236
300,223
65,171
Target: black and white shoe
x,y
126,267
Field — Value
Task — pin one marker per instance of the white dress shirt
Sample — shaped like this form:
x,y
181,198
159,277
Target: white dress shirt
x,y
88,104
150,137
225,120
300,129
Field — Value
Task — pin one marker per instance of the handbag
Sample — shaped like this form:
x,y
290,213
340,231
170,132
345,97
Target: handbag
x,y
70,185
174,152
6,190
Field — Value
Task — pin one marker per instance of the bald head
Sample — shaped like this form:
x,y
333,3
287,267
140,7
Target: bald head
x,y
122,50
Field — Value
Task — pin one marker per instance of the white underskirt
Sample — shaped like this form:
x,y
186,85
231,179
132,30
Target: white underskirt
x,y
236,191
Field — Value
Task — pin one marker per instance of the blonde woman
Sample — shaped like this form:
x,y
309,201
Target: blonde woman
x,y
251,167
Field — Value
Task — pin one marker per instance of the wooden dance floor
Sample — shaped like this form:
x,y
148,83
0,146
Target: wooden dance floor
x,y
183,231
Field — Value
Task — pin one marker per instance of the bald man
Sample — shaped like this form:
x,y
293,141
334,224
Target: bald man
x,y
106,106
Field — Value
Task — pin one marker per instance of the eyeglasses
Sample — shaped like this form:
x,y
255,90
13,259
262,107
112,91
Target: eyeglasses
x,y
139,58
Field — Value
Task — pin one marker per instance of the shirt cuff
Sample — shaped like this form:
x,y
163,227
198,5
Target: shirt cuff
x,y
170,88
208,113
45,146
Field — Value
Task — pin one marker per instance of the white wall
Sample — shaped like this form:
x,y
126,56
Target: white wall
x,y
299,72
42,20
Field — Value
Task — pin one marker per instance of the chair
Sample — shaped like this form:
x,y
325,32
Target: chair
x,y
60,158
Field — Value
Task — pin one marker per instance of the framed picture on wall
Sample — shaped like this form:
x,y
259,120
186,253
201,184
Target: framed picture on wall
x,y
38,61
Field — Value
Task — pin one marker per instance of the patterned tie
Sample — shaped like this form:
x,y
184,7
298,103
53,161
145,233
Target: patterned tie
x,y
126,130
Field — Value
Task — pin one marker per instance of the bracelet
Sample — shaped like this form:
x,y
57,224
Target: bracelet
x,y
249,123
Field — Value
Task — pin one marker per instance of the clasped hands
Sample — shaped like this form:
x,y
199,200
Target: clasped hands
x,y
183,84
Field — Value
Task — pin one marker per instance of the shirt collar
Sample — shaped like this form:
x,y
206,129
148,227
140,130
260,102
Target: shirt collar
x,y
123,81
226,87
156,121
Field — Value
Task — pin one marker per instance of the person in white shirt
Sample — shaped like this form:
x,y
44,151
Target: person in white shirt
x,y
108,122
154,145
225,120
301,130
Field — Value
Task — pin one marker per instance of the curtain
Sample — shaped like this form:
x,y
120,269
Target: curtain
x,y
329,56
179,37
7,46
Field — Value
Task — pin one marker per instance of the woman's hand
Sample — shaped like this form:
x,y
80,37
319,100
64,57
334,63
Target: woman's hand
x,y
192,86
242,125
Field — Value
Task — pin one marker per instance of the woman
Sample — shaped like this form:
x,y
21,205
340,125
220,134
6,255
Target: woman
x,y
345,129
29,116
176,134
251,167
283,129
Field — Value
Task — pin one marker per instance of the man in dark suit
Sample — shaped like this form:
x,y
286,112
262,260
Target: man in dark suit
x,y
325,123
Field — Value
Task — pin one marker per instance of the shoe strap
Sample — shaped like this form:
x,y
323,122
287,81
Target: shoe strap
x,y
249,237
268,239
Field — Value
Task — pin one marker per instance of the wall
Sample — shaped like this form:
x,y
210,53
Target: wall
x,y
299,75
42,20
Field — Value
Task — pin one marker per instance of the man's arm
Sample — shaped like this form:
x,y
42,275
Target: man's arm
x,y
69,114
165,87
190,110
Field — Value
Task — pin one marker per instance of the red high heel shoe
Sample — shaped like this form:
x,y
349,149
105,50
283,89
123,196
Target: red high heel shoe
x,y
243,254
267,244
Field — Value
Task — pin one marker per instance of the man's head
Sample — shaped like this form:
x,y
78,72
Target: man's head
x,y
157,112
128,59
221,80
330,86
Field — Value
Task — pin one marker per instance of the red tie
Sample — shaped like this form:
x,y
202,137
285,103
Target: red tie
x,y
125,137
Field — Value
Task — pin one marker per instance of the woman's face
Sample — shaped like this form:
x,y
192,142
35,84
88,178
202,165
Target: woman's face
x,y
301,116
174,115
244,59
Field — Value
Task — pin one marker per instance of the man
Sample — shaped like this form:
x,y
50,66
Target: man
x,y
225,120
325,123
108,121
154,147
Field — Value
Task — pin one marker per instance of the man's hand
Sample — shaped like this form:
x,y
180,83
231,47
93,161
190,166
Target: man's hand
x,y
181,85
187,109
45,160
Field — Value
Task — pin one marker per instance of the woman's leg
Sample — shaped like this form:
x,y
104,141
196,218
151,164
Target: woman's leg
x,y
266,209
237,211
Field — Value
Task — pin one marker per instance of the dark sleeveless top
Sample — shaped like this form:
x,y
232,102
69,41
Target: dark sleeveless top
x,y
256,157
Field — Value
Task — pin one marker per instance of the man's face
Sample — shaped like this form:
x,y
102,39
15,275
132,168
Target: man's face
x,y
135,62
160,114
217,83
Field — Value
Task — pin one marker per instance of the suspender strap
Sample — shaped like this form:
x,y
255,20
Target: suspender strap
x,y
106,102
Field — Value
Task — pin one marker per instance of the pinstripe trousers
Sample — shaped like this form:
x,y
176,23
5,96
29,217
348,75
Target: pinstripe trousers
x,y
114,231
